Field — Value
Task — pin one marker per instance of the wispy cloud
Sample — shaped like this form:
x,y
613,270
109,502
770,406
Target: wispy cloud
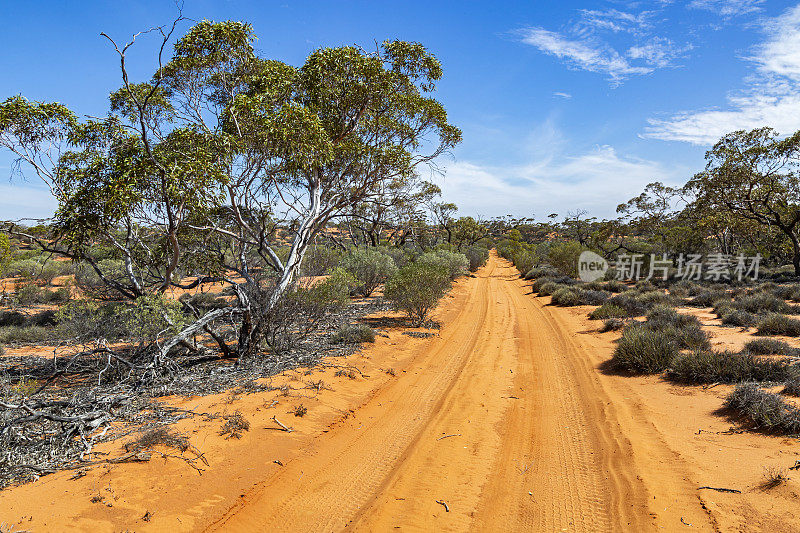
x,y
565,96
728,8
583,55
659,52
597,181
584,44
771,96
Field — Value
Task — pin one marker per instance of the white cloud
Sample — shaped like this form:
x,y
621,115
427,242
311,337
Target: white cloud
x,y
583,44
583,54
728,8
771,98
565,96
612,20
596,181
658,51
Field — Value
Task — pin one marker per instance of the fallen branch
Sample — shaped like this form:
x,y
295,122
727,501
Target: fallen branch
x,y
286,429
453,435
446,508
721,489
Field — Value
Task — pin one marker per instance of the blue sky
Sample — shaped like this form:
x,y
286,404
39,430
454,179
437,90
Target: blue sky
x,y
564,105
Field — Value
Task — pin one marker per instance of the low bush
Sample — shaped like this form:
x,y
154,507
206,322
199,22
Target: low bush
x,y
739,319
542,272
454,263
761,302
725,367
615,286
608,310
766,410
637,303
550,288
417,288
203,301
353,334
612,324
537,285
777,324
370,268
770,347
24,334
87,279
319,260
792,385
32,295
477,257
707,298
566,297
644,350
685,330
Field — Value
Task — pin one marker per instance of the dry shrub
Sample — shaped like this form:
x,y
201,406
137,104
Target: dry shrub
x,y
235,425
158,437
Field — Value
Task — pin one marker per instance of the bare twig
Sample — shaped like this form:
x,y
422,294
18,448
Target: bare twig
x,y
446,508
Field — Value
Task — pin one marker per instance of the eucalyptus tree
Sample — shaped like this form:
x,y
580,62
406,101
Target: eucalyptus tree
x,y
753,175
227,165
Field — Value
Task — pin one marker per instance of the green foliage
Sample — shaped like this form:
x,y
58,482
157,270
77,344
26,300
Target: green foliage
x,y
25,334
455,264
369,267
564,257
770,347
6,254
353,334
417,288
319,260
477,257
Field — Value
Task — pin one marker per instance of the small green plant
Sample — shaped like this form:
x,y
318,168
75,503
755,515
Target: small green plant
x,y
353,334
370,268
416,289
608,310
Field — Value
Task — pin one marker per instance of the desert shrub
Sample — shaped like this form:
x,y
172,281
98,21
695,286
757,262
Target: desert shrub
x,y
761,302
369,267
792,385
708,297
612,324
157,437
31,295
550,288
637,303
319,260
235,424
766,410
724,367
477,257
777,324
608,310
417,288
566,296
353,334
536,286
542,272
300,310
24,334
644,350
615,286
685,330
737,318
23,268
400,256
149,318
455,264
564,257
569,296
84,320
12,318
769,347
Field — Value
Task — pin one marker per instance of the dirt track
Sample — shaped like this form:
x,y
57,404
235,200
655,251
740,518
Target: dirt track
x,y
502,418
507,417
